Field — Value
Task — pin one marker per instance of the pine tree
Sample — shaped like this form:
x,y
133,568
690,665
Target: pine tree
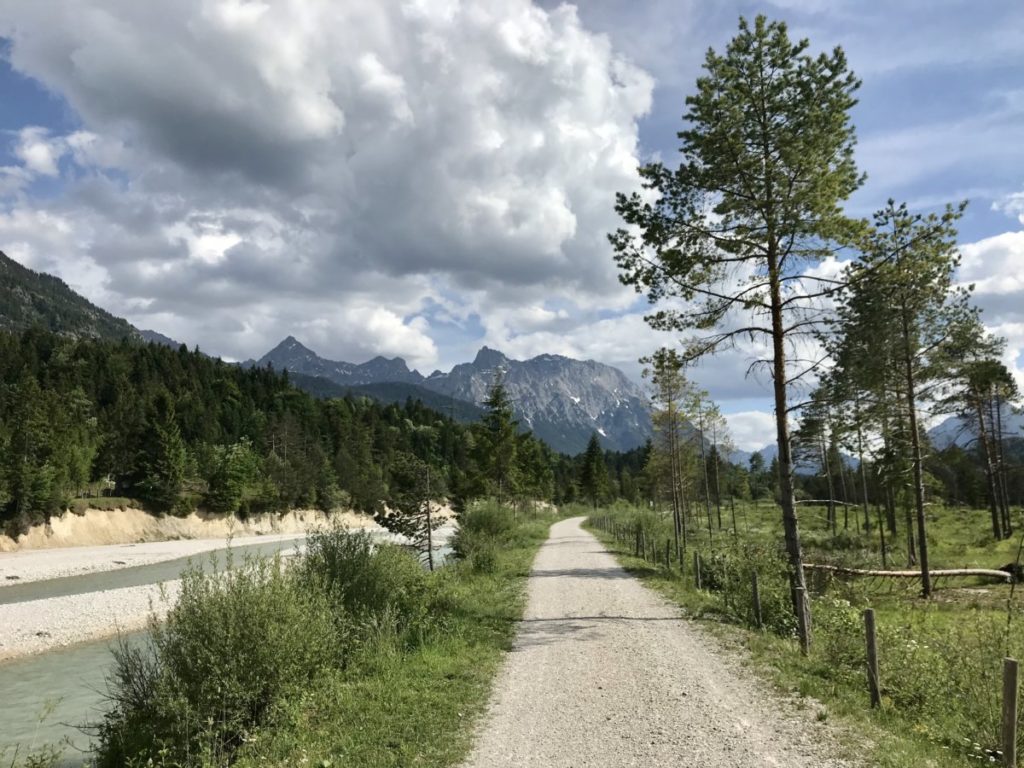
x,y
234,477
593,472
496,444
409,510
767,158
984,387
670,390
902,308
758,484
165,460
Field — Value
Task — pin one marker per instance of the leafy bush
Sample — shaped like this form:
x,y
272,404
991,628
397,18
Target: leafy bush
x,y
235,644
244,647
488,520
481,531
839,632
361,578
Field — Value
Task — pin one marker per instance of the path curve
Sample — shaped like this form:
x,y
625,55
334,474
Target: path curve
x,y
604,673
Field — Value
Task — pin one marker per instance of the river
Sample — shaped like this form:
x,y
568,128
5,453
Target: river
x,y
48,698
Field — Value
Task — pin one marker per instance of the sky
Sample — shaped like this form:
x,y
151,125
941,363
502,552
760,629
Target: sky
x,y
424,177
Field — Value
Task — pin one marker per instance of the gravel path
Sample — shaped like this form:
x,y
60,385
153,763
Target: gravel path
x,y
604,673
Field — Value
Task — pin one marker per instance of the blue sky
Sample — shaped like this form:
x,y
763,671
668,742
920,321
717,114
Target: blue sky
x,y
420,179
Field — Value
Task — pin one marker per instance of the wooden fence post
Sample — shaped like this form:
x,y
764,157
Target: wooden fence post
x,y
1010,712
758,621
696,571
803,619
872,643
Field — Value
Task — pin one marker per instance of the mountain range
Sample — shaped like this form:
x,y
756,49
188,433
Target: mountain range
x,y
964,432
561,400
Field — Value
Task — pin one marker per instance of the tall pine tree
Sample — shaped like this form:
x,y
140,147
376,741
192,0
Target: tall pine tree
x,y
767,158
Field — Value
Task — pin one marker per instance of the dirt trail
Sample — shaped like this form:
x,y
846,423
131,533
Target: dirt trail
x,y
605,673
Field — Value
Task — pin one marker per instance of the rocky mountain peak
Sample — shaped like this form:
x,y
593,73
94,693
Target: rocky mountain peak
x,y
489,358
290,344
561,400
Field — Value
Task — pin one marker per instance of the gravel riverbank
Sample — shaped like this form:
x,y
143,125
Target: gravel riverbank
x,y
43,625
40,625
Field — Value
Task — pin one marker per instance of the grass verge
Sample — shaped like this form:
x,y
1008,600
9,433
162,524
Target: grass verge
x,y
395,706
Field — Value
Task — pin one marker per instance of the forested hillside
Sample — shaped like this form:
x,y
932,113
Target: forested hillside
x,y
176,430
29,298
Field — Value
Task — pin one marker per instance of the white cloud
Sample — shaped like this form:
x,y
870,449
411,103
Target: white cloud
x,y
293,164
1011,205
995,265
38,152
751,430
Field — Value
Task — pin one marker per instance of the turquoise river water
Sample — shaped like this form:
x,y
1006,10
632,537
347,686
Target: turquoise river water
x,y
49,698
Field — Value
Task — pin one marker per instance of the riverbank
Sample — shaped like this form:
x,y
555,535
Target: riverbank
x,y
130,525
44,625
37,565
419,651
38,625
117,589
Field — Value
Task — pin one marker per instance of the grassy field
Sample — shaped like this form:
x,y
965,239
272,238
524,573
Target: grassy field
x,y
940,660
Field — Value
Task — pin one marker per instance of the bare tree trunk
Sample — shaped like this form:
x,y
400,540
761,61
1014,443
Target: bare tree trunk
x,y
825,465
790,522
911,544
846,497
674,474
863,476
990,479
718,483
890,500
430,527
707,482
916,458
881,534
1001,468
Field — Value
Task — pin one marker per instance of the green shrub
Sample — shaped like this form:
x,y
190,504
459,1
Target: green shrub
x,y
486,529
839,629
487,520
362,578
236,642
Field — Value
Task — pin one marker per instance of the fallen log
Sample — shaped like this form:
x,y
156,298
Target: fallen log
x,y
826,502
935,573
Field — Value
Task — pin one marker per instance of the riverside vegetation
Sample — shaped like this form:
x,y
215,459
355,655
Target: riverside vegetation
x,y
940,660
352,655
